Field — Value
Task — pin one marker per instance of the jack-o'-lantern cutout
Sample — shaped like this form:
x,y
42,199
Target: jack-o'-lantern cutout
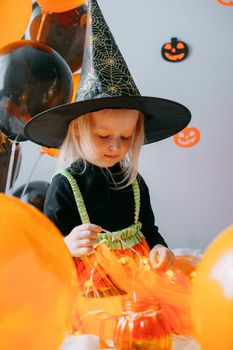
x,y
225,3
188,137
174,51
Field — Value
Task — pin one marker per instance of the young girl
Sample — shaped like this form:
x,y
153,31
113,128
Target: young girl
x,y
98,200
96,149
97,195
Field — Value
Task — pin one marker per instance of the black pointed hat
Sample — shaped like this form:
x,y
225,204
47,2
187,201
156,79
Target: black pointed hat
x,y
106,83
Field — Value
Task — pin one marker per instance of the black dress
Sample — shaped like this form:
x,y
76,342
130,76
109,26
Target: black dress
x,y
107,207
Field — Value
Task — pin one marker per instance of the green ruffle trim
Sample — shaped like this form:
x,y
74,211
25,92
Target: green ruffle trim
x,y
136,192
122,239
78,197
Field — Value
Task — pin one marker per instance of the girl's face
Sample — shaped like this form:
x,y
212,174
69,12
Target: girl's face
x,y
111,134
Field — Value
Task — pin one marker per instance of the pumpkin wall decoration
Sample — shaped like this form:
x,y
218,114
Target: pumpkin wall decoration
x,y
187,137
174,51
225,3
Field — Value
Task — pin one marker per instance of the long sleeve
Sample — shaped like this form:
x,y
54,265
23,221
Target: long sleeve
x,y
60,206
146,217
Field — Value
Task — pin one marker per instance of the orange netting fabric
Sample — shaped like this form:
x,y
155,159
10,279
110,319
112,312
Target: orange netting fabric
x,y
107,277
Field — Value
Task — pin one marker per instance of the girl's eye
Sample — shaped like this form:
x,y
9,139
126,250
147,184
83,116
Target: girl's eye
x,y
103,136
126,137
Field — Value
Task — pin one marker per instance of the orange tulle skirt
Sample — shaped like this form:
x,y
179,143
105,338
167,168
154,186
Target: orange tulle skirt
x,y
109,276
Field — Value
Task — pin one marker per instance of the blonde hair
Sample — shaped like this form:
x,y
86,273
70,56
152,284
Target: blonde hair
x,y
77,149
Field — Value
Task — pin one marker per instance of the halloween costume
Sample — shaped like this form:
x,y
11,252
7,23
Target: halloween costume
x,y
119,265
83,195
124,214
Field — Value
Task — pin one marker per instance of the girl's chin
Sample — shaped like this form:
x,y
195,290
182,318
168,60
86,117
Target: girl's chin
x,y
106,162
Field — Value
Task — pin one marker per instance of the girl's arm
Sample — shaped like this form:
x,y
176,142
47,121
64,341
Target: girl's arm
x,y
60,206
146,217
161,257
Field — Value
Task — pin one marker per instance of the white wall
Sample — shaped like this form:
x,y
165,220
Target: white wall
x,y
191,188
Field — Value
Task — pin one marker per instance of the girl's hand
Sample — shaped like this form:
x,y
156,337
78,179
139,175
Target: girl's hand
x,y
161,258
82,239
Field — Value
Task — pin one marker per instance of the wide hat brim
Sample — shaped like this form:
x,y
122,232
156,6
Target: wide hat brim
x,y
162,118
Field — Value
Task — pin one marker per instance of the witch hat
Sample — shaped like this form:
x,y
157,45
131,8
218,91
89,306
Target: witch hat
x,y
106,83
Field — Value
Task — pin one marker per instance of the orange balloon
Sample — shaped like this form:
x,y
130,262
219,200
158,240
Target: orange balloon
x,y
37,279
59,5
14,19
212,295
76,80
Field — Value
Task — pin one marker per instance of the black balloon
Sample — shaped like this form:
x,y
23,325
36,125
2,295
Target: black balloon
x,y
5,154
34,77
63,31
35,193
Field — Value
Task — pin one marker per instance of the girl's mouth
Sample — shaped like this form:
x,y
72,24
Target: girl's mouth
x,y
110,156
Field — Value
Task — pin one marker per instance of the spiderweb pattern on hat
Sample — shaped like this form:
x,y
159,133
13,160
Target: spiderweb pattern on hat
x,y
105,73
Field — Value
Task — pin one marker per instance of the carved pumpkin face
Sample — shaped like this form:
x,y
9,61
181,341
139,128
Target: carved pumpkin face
x,y
225,3
174,51
188,137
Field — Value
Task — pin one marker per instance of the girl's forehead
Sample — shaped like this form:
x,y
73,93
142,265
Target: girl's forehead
x,y
112,117
107,114
116,112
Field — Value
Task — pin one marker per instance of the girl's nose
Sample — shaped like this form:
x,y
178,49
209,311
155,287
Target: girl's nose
x,y
115,144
